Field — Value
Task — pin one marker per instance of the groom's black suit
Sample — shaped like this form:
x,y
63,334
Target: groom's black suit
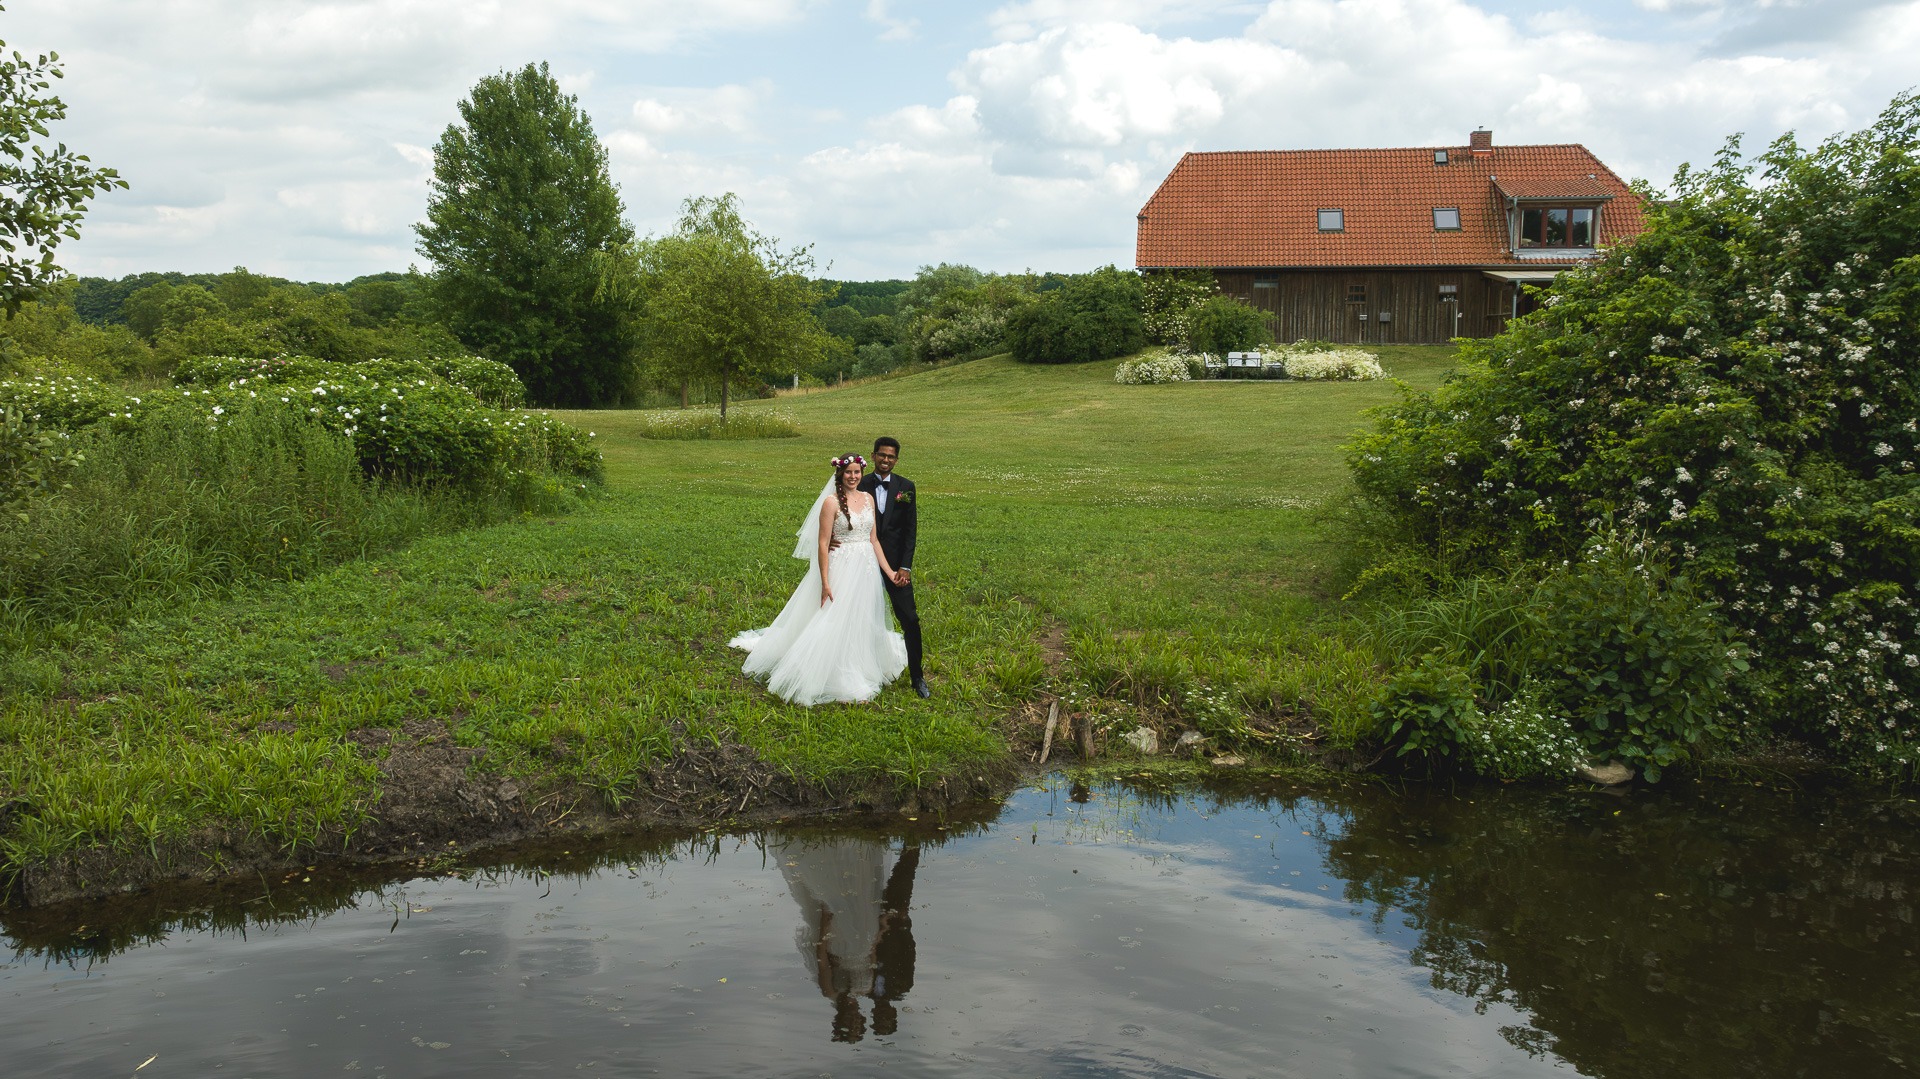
x,y
898,525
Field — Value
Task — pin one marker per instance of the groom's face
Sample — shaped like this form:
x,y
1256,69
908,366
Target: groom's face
x,y
883,459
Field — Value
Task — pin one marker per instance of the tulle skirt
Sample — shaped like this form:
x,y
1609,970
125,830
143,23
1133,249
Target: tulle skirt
x,y
843,651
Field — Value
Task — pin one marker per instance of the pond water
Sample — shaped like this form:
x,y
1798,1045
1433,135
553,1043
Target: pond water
x,y
1127,929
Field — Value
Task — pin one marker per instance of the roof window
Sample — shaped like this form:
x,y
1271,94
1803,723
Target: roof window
x,y
1446,218
1333,221
1439,157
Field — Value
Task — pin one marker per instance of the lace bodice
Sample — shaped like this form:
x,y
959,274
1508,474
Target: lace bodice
x,y
858,531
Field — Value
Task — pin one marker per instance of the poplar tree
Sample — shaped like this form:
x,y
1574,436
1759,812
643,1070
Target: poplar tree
x,y
521,211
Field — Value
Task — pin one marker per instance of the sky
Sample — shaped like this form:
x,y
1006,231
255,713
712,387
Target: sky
x,y
295,137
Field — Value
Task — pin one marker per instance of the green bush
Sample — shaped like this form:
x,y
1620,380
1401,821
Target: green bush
x,y
1168,298
1524,739
492,383
1633,657
1223,324
1737,384
1094,316
1428,710
32,460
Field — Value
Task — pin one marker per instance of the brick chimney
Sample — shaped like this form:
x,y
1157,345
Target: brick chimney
x,y
1480,142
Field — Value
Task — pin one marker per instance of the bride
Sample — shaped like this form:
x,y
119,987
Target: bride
x,y
832,642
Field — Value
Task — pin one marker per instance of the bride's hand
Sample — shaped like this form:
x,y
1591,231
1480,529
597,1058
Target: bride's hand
x,y
826,594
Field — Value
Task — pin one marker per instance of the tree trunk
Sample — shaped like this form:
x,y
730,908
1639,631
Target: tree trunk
x,y
723,396
683,393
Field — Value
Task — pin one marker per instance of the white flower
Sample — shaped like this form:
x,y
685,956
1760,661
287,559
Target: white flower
x,y
1883,450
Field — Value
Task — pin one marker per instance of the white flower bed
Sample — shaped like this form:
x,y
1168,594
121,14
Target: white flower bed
x,y
1341,364
1152,369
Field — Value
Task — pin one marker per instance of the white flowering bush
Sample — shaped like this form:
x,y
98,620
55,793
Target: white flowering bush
x,y
1332,364
1523,739
1736,386
1147,370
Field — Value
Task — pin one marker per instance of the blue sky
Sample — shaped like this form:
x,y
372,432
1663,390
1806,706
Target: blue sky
x,y
294,136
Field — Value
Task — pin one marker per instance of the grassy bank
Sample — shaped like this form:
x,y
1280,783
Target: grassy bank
x,y
1141,551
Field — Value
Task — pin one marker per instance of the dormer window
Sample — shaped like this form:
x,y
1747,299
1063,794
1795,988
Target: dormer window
x,y
1558,226
1439,157
1446,218
1333,221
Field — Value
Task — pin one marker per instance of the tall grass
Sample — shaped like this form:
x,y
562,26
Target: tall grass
x,y
1478,624
706,423
176,507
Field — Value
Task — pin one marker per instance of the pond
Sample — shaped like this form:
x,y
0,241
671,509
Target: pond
x,y
1127,929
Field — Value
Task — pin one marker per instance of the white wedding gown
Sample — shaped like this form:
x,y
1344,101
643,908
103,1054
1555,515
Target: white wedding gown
x,y
843,651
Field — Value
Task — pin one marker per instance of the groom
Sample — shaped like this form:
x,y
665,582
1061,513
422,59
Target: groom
x,y
893,500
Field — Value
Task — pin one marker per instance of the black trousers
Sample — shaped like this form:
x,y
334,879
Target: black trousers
x,y
903,609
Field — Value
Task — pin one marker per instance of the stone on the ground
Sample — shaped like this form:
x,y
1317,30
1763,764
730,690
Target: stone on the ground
x,y
1610,774
1190,742
1227,760
1142,739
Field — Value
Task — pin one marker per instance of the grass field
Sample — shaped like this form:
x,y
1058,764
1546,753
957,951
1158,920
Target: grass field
x,y
1140,550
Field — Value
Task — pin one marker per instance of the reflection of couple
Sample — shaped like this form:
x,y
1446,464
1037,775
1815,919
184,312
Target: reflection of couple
x,y
831,642
855,930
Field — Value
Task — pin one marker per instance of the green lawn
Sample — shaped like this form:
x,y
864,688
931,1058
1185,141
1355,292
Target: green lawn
x,y
1140,548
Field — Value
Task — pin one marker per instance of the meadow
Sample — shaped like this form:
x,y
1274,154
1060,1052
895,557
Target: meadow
x,y
1157,554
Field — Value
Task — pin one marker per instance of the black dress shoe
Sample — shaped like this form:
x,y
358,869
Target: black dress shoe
x,y
920,687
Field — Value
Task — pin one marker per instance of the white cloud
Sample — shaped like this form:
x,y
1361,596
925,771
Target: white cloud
x,y
295,137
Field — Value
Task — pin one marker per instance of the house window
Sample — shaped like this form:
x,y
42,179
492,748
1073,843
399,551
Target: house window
x,y
1449,293
1558,226
1333,221
1266,280
1439,157
1357,294
1446,218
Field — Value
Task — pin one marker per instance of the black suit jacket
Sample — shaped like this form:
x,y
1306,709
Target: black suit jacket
x,y
899,523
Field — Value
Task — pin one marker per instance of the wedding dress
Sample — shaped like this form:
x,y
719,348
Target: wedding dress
x,y
844,650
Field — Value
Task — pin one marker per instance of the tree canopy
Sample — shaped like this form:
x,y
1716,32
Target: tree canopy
x,y
520,211
43,191
716,300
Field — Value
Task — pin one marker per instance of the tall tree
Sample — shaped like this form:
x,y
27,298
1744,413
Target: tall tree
x,y
520,212
43,192
719,302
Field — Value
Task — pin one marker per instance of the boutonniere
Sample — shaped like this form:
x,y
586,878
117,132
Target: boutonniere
x,y
905,497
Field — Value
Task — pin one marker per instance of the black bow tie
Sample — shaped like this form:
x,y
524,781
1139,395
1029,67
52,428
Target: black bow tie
x,y
882,481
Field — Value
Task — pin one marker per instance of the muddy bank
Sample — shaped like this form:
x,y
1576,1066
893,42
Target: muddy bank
x,y
435,798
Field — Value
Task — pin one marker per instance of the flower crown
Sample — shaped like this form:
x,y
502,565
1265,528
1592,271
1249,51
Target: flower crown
x,y
849,459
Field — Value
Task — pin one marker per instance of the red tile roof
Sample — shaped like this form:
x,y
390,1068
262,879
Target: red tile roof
x,y
1255,209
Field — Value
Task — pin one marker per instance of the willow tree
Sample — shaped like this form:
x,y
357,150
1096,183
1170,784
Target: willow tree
x,y
521,212
716,301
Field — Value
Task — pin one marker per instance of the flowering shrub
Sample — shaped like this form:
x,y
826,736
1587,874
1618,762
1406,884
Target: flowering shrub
x,y
1169,298
1737,384
492,383
698,423
967,331
416,428
1146,370
1523,739
1334,364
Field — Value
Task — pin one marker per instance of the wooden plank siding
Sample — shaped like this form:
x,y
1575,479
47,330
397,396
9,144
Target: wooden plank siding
x,y
1313,304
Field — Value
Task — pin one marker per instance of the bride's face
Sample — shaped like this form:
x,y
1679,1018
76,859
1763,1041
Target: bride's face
x,y
854,472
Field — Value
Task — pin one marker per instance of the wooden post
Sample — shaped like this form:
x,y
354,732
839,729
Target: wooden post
x,y
1086,737
1053,718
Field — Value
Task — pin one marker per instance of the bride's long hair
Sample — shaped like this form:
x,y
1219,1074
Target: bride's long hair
x,y
840,466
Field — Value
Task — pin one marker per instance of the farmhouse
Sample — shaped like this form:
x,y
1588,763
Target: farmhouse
x,y
1402,246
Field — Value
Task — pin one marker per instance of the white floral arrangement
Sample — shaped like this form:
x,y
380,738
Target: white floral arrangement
x,y
1148,370
1334,364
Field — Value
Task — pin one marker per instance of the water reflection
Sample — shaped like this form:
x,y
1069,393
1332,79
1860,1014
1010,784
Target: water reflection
x,y
856,926
1127,928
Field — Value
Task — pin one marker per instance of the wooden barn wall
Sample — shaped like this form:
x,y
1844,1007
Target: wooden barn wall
x,y
1312,304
